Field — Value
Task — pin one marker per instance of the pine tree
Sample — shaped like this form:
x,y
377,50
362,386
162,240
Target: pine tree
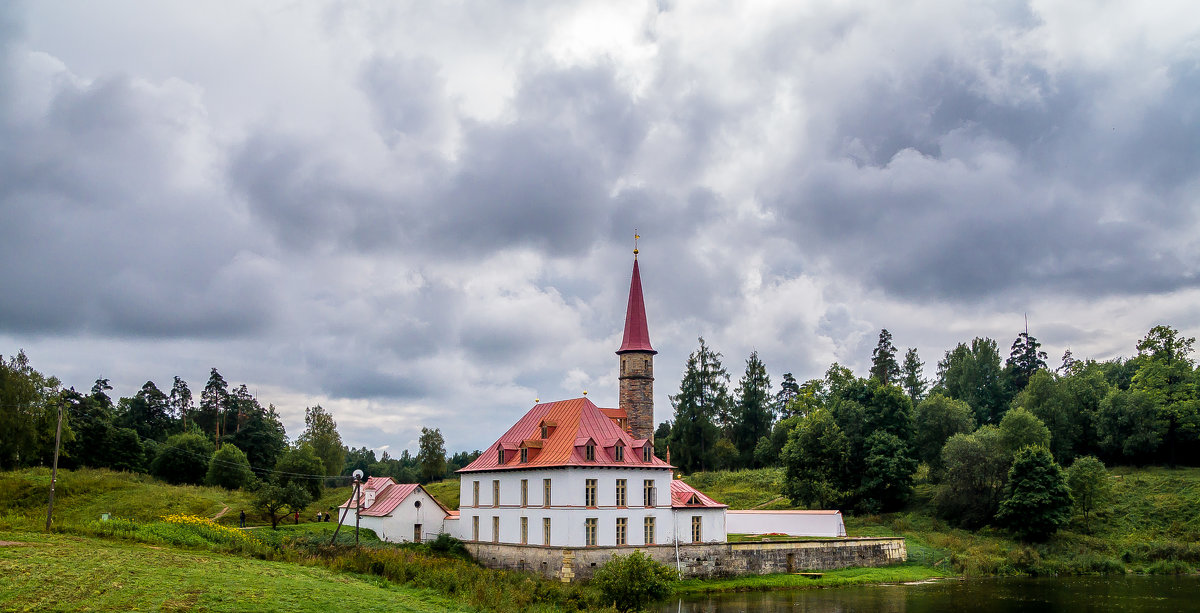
x,y
1025,359
1038,500
883,360
912,376
755,414
212,401
703,398
788,390
181,402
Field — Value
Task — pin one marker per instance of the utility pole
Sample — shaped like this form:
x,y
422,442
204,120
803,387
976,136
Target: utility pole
x,y
54,471
357,480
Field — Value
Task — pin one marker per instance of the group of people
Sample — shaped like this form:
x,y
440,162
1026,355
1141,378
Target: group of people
x,y
296,518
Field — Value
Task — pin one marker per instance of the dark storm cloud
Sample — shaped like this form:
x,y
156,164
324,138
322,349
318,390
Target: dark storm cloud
x,y
98,233
934,190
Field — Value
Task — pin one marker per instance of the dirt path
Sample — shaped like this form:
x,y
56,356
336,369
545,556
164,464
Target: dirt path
x,y
221,514
772,501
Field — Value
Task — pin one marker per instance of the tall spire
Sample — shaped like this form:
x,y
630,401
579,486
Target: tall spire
x,y
637,334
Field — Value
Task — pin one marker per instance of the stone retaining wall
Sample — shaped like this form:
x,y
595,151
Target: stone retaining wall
x,y
702,560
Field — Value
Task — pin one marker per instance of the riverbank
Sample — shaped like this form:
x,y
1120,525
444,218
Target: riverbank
x,y
845,577
1151,526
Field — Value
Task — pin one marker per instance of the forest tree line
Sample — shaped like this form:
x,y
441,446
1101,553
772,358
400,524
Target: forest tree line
x,y
860,442
226,439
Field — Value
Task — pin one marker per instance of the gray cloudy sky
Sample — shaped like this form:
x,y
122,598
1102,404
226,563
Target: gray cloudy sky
x,y
421,214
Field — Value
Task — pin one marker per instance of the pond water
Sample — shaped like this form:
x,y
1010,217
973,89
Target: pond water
x,y
1069,595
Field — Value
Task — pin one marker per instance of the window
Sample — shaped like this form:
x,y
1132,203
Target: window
x,y
589,532
546,531
524,530
648,493
545,431
619,453
496,529
620,492
475,493
648,530
695,528
589,495
647,452
524,492
546,494
495,492
500,455
475,528
622,524
524,455
589,453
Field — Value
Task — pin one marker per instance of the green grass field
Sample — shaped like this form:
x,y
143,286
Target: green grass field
x,y
445,491
72,573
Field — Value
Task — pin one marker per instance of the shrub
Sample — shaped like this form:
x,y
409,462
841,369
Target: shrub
x,y
229,468
631,582
183,459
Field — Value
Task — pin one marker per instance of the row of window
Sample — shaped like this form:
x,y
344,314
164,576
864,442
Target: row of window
x,y
590,528
649,493
589,454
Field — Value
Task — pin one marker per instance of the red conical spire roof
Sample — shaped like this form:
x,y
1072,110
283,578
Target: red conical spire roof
x,y
637,335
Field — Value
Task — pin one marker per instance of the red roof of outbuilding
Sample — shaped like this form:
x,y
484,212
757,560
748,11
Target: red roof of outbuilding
x,y
637,334
388,496
576,421
682,495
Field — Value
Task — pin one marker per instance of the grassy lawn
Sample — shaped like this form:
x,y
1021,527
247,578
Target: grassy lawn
x,y
72,573
445,491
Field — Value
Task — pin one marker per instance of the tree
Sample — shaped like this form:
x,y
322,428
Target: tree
x,y
788,390
633,582
1090,488
814,461
703,399
883,360
125,451
1037,500
1025,359
1045,396
212,404
181,402
1068,363
431,455
148,412
887,480
360,459
278,501
1020,428
972,374
29,404
183,459
261,437
229,468
937,419
91,419
301,466
1164,372
1129,427
912,376
320,431
754,411
976,465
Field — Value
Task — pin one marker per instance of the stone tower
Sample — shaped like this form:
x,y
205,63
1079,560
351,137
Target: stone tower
x,y
637,363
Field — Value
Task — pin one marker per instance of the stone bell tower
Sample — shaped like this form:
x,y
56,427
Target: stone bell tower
x,y
637,363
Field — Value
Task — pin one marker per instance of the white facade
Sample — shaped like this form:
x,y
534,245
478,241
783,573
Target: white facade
x,y
418,514
792,523
570,514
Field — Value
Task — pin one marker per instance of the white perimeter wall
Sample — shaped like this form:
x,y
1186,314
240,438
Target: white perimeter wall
x,y
400,525
567,512
794,523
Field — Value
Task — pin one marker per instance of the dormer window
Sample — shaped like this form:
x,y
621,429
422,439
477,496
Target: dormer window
x,y
589,453
545,431
500,454
619,453
647,453
524,455
547,427
694,500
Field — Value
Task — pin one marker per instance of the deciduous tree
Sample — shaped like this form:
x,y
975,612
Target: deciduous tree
x,y
814,461
431,455
183,459
1037,499
229,468
1090,487
937,419
320,432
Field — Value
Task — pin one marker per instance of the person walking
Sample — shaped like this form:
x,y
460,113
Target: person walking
x,y
242,519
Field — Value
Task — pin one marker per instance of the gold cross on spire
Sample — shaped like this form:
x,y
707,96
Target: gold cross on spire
x,y
635,240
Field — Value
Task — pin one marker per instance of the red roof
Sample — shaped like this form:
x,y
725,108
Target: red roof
x,y
686,496
637,334
388,496
572,424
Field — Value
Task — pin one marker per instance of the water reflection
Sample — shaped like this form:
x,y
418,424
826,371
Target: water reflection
x,y
1075,594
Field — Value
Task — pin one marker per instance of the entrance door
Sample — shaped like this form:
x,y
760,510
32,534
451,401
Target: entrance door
x,y
417,533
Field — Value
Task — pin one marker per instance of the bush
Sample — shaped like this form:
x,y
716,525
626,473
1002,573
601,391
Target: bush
x,y
1169,567
229,468
183,459
631,582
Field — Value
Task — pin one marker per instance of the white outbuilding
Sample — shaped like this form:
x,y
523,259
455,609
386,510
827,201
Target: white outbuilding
x,y
397,512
